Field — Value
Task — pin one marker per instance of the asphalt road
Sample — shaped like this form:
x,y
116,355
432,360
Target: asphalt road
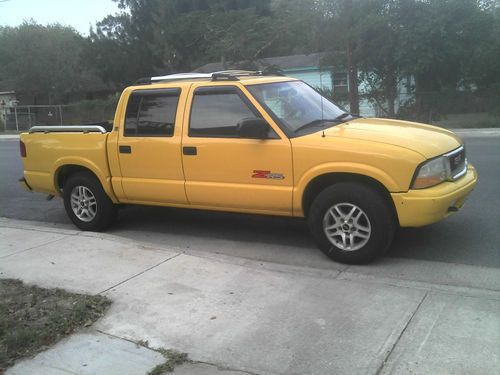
x,y
470,237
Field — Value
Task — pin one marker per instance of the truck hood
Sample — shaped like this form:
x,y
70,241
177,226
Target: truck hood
x,y
429,141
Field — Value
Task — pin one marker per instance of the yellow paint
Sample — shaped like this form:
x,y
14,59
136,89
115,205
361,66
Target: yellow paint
x,y
220,178
421,207
220,175
49,152
153,171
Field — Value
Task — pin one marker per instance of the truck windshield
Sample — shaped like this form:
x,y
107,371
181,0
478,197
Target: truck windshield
x,y
298,107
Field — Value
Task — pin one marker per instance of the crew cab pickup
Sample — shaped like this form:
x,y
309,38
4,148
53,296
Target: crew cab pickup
x,y
247,142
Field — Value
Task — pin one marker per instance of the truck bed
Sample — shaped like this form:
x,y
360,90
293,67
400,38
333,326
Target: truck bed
x,y
48,148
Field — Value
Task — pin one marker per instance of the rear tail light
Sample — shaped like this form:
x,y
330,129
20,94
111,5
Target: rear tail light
x,y
22,149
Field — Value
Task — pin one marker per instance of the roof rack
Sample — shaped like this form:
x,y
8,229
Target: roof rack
x,y
68,129
224,75
232,75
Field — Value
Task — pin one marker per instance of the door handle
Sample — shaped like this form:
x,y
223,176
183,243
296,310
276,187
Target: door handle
x,y
189,150
125,149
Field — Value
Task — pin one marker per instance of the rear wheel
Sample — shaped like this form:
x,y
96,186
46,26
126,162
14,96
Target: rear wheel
x,y
351,223
87,204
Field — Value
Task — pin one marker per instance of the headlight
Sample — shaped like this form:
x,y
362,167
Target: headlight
x,y
431,173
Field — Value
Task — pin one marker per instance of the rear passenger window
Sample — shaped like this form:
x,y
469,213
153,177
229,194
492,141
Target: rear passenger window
x,y
151,113
217,112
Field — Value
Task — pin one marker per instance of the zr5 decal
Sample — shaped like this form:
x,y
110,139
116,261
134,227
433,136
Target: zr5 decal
x,y
267,174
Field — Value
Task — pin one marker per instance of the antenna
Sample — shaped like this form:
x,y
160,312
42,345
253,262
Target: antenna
x,y
322,113
322,119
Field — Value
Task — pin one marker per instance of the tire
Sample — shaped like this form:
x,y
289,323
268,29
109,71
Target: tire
x,y
364,238
86,203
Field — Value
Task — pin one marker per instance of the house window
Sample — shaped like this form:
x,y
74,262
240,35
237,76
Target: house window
x,y
340,82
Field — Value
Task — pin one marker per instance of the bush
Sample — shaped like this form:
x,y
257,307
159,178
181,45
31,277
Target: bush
x,y
90,111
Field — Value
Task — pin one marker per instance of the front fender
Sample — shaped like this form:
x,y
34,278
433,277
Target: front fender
x,y
339,167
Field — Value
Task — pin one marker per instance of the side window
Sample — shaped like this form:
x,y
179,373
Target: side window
x,y
216,113
151,113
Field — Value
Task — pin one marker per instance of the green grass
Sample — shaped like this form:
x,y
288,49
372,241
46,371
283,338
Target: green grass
x,y
173,358
32,318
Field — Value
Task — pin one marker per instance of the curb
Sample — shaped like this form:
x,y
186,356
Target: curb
x,y
477,133
399,272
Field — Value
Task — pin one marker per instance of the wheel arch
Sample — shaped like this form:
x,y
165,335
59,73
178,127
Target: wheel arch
x,y
321,182
65,170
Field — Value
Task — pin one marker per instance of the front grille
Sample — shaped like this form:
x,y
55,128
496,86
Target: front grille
x,y
457,162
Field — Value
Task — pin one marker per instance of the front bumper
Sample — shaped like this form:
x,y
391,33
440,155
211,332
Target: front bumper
x,y
426,206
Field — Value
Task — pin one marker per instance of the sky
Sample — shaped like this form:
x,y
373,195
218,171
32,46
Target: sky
x,y
79,14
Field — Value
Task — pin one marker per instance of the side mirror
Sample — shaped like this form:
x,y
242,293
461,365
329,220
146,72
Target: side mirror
x,y
254,128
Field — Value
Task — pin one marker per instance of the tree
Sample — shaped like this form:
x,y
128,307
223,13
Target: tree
x,y
484,69
442,44
439,40
41,59
170,36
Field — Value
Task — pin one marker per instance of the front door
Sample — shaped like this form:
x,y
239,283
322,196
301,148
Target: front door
x,y
226,171
149,147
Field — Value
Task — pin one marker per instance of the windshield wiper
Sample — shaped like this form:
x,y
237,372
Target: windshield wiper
x,y
339,118
345,114
314,123
342,116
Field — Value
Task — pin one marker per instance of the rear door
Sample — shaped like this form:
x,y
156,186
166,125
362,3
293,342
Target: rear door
x,y
226,171
149,147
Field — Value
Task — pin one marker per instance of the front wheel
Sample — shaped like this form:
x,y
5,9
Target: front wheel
x,y
87,204
351,223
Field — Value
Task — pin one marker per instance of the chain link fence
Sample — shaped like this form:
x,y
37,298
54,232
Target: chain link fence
x,y
449,109
455,109
23,117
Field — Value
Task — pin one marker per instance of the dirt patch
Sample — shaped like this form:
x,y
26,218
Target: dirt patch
x,y
32,318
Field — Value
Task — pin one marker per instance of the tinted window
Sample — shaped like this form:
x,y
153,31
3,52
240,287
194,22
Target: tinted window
x,y
151,113
217,113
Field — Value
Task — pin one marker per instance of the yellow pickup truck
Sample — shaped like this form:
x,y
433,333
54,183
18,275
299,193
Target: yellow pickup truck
x,y
248,142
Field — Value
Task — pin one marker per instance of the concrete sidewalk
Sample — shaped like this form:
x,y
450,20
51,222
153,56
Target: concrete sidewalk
x,y
235,316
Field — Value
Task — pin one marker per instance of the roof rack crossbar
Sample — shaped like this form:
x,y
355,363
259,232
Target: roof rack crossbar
x,y
224,75
232,75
